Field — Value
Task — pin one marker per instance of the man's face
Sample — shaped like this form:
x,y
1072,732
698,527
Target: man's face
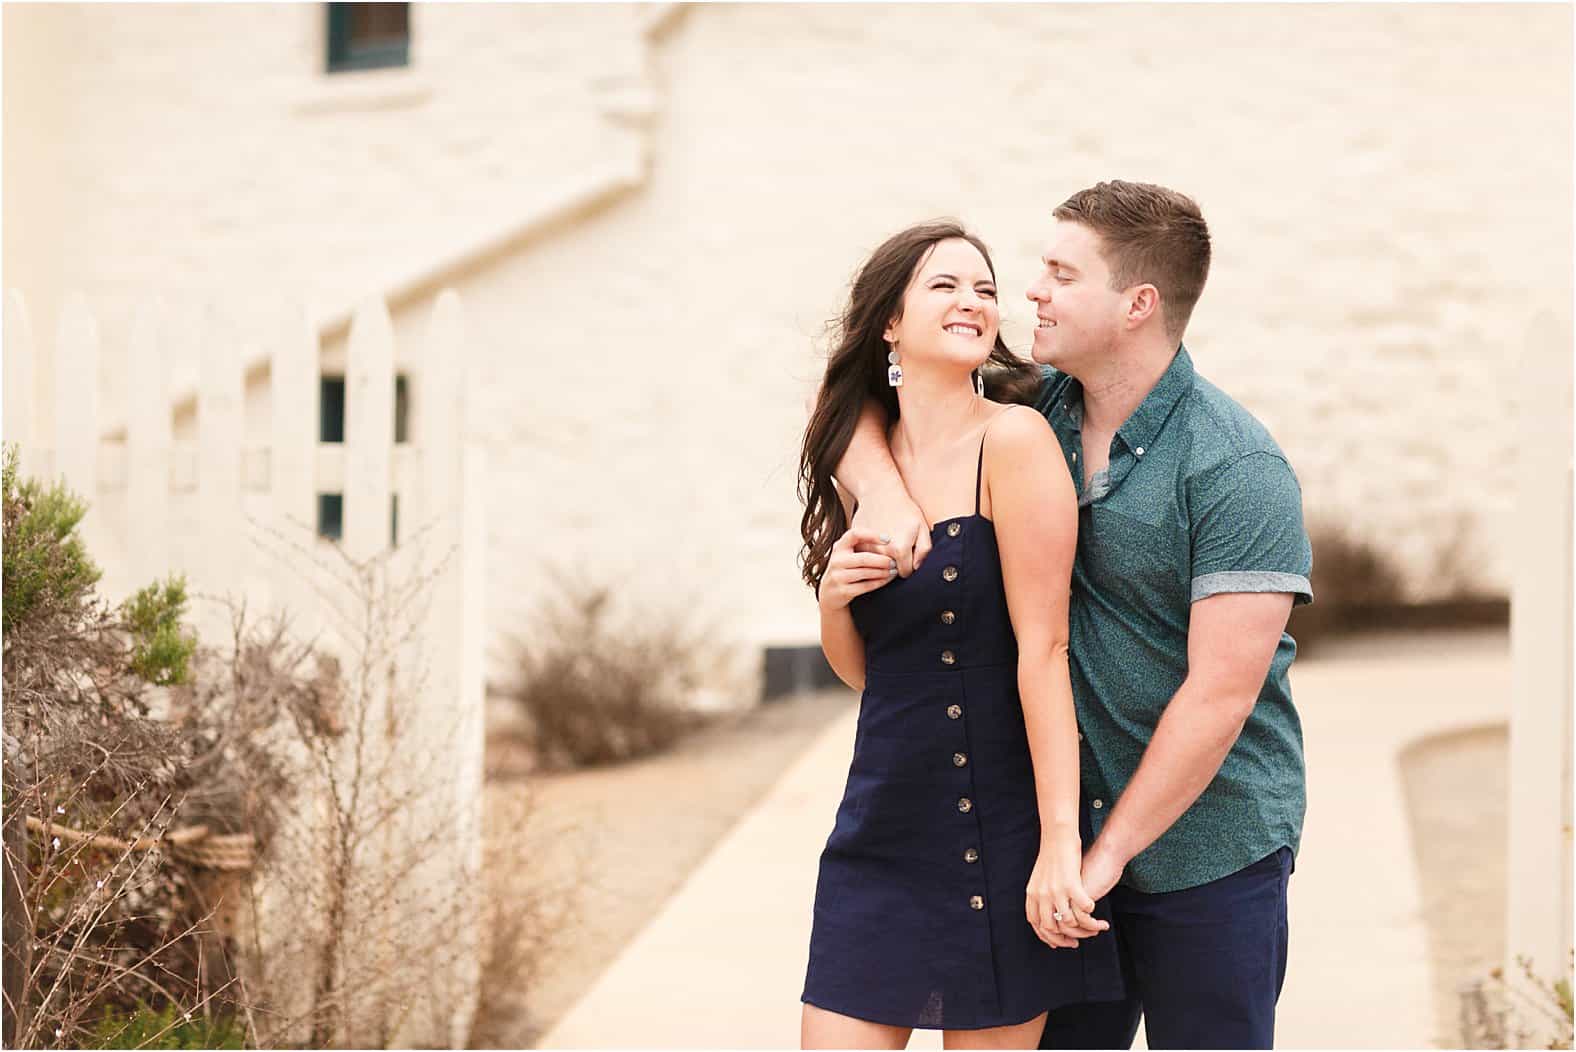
x,y
1080,316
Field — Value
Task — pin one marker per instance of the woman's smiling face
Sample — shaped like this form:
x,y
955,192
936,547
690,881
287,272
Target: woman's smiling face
x,y
949,310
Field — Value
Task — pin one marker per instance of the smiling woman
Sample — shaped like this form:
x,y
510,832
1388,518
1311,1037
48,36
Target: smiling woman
x,y
857,368
949,894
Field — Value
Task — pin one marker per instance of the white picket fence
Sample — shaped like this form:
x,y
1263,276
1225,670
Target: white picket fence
x,y
211,500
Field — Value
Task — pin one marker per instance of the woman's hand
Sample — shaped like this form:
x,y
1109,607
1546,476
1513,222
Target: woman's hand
x,y
850,572
1056,887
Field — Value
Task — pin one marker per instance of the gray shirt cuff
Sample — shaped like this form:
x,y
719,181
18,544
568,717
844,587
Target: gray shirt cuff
x,y
1253,581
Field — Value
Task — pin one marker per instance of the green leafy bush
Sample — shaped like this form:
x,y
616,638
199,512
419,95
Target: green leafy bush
x,y
165,1028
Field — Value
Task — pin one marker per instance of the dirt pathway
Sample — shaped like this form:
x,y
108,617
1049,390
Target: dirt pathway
x,y
606,847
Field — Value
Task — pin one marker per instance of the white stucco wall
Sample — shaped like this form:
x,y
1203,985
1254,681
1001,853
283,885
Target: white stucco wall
x,y
199,150
1388,187
1385,228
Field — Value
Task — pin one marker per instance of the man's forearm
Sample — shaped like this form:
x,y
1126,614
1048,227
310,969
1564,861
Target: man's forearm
x,y
1191,741
867,465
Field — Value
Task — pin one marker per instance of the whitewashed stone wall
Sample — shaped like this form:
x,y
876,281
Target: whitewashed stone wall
x,y
1388,186
199,150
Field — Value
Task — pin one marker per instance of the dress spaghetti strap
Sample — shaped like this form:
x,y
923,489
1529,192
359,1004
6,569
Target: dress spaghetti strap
x,y
979,469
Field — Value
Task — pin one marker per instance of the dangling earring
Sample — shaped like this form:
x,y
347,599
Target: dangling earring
x,y
894,370
979,383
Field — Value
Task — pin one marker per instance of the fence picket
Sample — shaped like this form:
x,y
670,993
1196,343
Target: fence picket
x,y
149,439
138,537
20,353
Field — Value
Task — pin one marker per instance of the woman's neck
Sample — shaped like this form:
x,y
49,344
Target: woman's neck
x,y
936,410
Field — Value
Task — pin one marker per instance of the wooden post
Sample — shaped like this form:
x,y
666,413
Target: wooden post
x,y
21,391
76,413
220,409
450,507
149,441
1538,874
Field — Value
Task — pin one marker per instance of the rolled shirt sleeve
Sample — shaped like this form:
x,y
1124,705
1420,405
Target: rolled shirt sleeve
x,y
1248,533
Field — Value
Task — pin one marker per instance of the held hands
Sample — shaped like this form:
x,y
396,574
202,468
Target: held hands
x,y
850,572
892,514
1056,886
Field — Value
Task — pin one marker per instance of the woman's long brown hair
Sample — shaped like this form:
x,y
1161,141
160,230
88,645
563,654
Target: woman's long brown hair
x,y
857,369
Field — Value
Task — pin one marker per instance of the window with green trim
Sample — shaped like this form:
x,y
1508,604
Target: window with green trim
x,y
331,408
368,36
331,428
331,517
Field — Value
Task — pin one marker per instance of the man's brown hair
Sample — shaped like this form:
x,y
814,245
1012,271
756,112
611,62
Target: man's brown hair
x,y
1151,234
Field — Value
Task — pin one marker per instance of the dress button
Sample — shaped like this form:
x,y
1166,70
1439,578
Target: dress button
x,y
947,617
1097,804
977,902
1139,451
965,804
949,574
948,658
959,759
971,855
954,711
954,529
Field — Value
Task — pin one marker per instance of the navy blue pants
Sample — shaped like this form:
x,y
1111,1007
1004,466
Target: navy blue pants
x,y
1204,966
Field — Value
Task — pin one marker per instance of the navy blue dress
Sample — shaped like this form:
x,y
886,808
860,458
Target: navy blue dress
x,y
919,904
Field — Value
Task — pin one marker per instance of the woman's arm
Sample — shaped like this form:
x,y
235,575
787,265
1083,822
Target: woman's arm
x,y
843,647
1035,510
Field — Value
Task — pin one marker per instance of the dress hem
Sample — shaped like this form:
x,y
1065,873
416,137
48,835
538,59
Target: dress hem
x,y
921,1026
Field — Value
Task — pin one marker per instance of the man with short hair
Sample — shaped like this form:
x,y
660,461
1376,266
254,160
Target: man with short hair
x,y
1191,554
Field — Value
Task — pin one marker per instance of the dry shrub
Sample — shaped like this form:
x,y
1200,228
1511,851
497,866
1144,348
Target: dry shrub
x,y
1525,1012
128,748
528,907
1358,587
110,798
364,928
596,688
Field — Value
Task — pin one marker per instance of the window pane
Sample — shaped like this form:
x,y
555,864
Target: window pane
x,y
368,36
330,515
331,409
401,408
378,23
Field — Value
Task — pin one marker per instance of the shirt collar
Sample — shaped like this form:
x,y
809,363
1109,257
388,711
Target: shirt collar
x,y
1138,431
1069,403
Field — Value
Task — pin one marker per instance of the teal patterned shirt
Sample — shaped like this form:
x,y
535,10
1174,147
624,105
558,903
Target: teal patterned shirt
x,y
1197,500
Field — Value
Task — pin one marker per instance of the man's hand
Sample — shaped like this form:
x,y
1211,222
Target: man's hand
x,y
891,513
1056,905
1101,870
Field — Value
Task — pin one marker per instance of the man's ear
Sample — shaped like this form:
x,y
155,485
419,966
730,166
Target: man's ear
x,y
1145,303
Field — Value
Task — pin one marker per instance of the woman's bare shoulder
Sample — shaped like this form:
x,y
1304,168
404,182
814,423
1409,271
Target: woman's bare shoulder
x,y
1016,428
1022,452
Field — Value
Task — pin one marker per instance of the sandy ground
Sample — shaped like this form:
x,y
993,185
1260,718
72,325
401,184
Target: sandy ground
x,y
687,868
1457,792
609,845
